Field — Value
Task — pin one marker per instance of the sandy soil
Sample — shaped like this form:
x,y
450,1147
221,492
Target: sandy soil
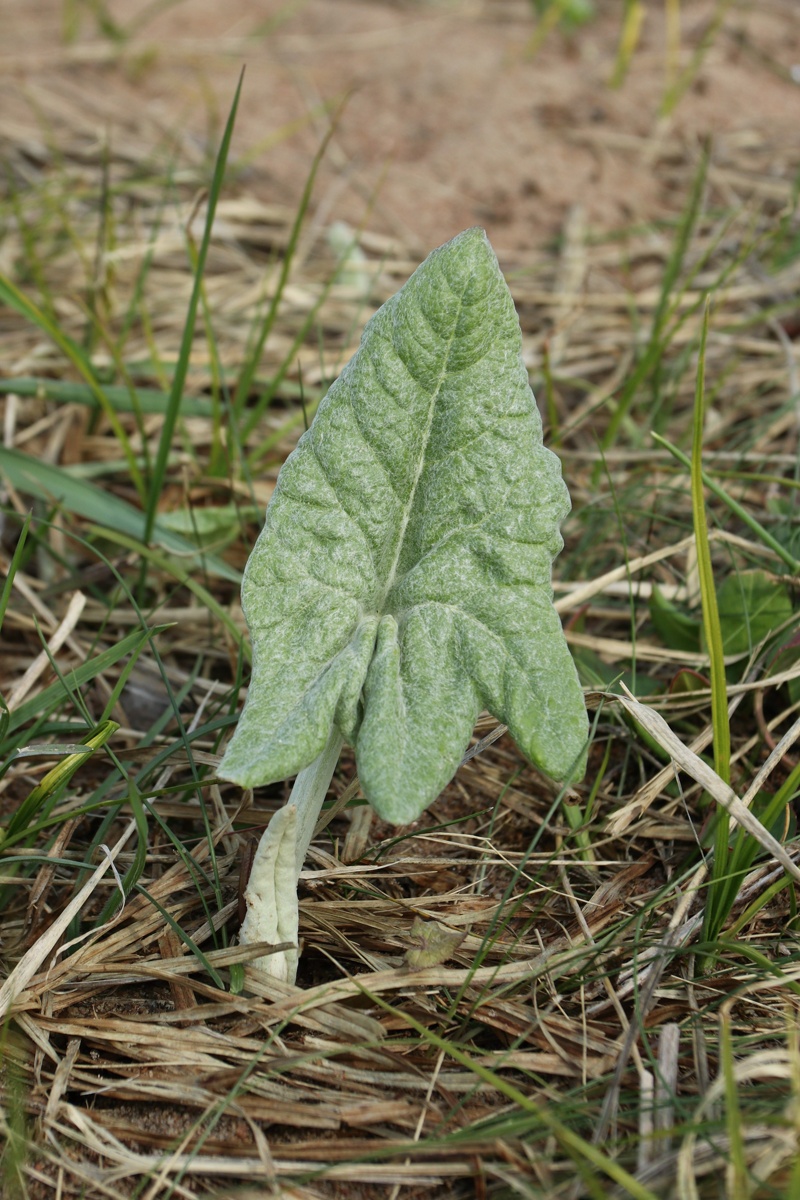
x,y
446,120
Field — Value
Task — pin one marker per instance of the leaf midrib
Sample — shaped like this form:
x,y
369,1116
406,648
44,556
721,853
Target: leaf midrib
x,y
392,572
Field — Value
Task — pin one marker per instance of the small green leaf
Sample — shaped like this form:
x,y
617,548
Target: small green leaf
x,y
208,524
237,979
751,607
401,583
677,629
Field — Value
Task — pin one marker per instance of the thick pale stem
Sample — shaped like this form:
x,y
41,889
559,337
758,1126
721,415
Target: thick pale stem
x,y
271,893
309,792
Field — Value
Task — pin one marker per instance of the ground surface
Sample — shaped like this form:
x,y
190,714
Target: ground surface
x,y
447,122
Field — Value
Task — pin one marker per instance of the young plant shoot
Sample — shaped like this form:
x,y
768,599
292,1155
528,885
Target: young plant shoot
x,y
402,580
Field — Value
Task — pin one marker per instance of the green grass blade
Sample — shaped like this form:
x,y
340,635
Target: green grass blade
x,y
148,400
716,908
265,448
687,77
745,848
738,1181
136,869
184,937
654,351
751,912
13,567
50,697
44,795
222,457
630,32
764,536
708,595
183,575
182,365
580,1151
251,366
15,299
110,513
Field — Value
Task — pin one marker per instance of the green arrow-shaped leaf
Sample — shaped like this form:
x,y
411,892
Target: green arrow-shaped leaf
x,y
401,582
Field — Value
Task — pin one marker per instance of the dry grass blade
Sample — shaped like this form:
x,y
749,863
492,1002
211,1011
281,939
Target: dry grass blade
x,y
685,760
55,642
30,963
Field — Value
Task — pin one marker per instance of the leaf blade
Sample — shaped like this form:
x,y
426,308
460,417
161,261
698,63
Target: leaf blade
x,y
401,582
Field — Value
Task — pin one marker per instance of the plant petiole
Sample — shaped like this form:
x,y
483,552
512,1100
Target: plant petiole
x,y
271,894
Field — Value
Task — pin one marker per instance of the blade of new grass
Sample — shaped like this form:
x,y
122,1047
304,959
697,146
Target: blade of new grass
x,y
744,850
184,937
764,536
182,574
139,861
46,700
44,795
15,299
738,1174
111,514
708,595
265,448
13,567
713,635
251,365
220,461
630,32
676,89
158,477
148,400
654,350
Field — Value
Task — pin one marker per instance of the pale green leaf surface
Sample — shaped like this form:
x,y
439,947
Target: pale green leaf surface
x,y
401,582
